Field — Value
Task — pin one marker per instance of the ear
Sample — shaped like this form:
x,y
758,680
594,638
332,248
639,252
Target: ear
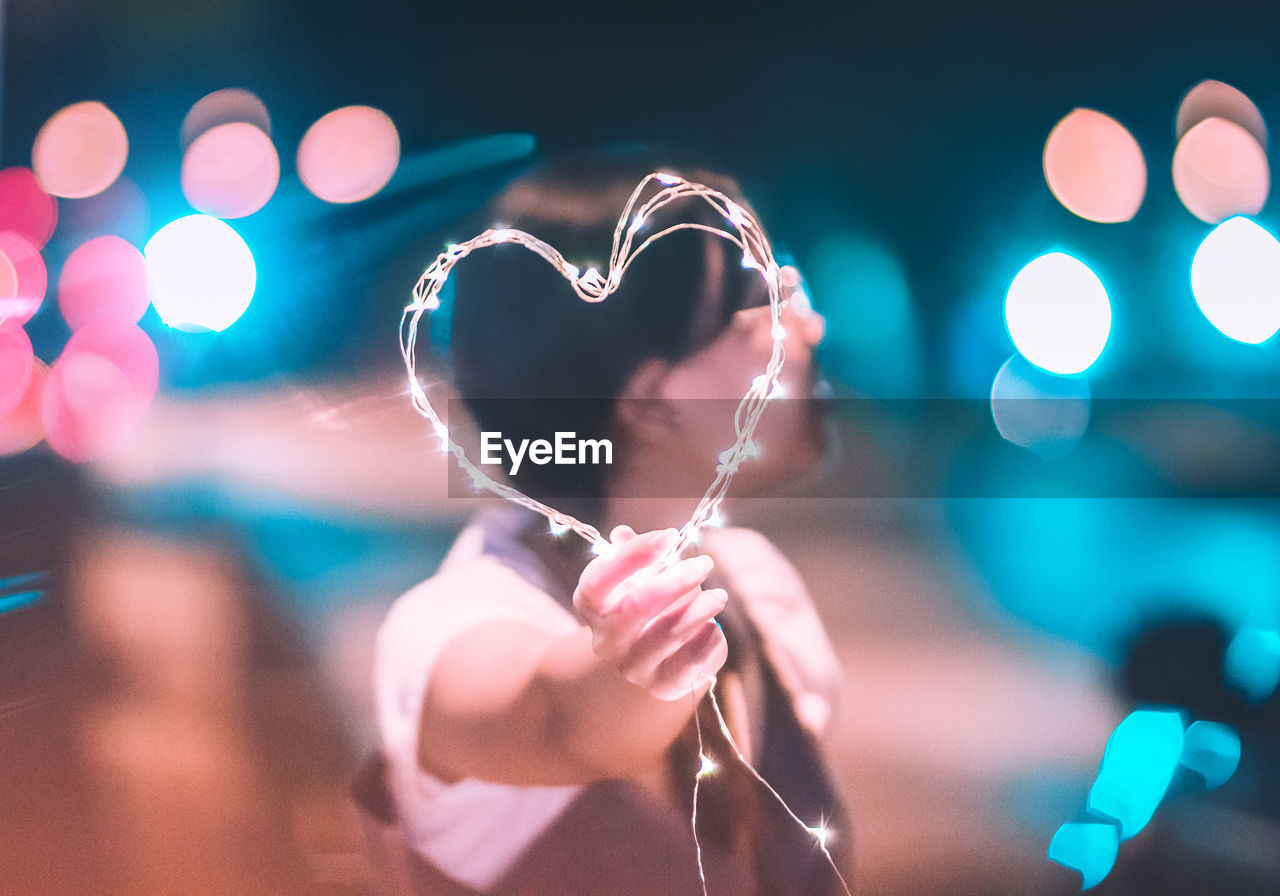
x,y
644,412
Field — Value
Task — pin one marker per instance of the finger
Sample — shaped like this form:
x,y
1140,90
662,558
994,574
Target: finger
x,y
668,631
608,571
700,656
648,593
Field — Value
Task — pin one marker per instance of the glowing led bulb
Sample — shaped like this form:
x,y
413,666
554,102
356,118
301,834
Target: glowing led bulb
x,y
708,767
736,215
638,222
714,519
668,179
558,529
728,460
426,303
820,833
571,271
759,383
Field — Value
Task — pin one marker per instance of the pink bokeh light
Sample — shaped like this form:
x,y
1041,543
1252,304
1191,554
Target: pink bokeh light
x,y
125,346
230,171
98,389
23,278
1220,170
105,276
88,407
17,360
25,208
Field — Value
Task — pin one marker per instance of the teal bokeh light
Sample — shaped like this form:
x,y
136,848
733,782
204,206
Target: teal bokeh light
x,y
1212,750
1252,663
1087,847
871,342
1141,756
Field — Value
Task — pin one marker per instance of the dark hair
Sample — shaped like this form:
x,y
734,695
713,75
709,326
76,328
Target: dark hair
x,y
521,335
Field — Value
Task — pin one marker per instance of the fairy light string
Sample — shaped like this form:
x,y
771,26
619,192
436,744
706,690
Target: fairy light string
x,y
819,831
593,286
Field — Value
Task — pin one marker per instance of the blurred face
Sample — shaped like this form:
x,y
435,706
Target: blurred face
x,y
791,434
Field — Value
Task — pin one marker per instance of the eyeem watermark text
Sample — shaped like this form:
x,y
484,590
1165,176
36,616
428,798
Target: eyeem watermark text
x,y
566,450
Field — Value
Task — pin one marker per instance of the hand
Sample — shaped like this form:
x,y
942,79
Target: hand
x,y
655,624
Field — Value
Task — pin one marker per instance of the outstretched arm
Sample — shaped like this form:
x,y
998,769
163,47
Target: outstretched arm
x,y
509,702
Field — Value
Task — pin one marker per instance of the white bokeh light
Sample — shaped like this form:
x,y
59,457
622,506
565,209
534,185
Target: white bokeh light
x,y
202,273
1235,278
1058,313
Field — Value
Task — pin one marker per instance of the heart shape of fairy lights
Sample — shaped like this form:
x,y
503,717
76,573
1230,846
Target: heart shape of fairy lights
x,y
745,232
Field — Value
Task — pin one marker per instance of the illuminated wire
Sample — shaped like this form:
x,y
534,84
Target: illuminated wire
x,y
819,834
593,286
697,782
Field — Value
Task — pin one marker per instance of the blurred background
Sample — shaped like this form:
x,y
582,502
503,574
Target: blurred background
x,y
1042,239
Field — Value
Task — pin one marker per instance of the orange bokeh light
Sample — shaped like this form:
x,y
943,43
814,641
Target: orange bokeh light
x,y
23,278
21,427
80,150
1220,170
1094,167
106,276
349,154
230,170
1214,99
25,207
224,107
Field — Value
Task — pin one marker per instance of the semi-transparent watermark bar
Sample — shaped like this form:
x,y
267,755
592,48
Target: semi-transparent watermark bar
x,y
864,448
